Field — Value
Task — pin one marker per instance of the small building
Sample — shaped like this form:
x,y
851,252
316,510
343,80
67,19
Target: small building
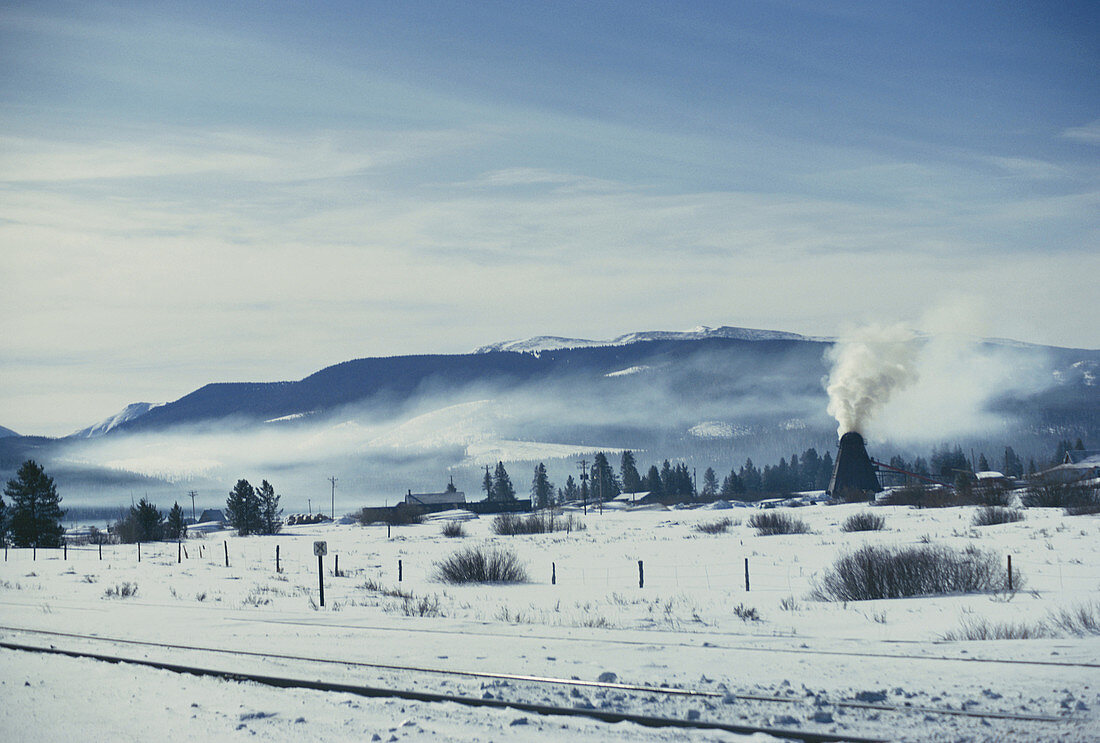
x,y
436,501
212,515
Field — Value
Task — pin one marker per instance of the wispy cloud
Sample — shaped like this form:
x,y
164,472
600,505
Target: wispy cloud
x,y
1088,133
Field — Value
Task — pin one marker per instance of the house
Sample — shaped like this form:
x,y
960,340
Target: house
x,y
212,514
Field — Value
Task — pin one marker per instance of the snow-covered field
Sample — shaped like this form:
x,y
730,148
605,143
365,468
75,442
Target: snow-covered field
x,y
693,626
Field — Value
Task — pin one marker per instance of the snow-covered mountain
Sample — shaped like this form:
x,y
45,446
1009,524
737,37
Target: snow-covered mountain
x,y
5,432
129,413
554,342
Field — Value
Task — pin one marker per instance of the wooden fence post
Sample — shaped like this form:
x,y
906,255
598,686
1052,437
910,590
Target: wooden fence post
x,y
336,569
746,575
277,570
179,552
641,575
1010,572
65,547
226,543
399,571
553,573
139,551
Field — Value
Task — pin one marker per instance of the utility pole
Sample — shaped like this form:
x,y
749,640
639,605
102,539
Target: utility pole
x,y
333,481
583,464
309,504
192,494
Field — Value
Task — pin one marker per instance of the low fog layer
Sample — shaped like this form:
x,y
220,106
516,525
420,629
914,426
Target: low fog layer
x,y
711,408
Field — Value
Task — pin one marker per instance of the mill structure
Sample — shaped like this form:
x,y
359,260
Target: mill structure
x,y
853,470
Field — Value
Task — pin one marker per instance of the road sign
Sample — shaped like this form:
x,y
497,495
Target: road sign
x,y
320,548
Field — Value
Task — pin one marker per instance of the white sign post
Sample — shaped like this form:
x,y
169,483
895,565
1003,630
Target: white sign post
x,y
321,549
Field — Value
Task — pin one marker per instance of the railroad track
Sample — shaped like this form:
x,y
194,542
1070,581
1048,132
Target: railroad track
x,y
494,676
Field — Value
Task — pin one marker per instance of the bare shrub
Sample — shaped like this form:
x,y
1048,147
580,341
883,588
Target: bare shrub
x,y
481,565
770,523
121,591
983,629
926,496
1060,495
993,494
875,572
991,515
510,524
721,526
746,613
426,606
864,521
1081,620
454,529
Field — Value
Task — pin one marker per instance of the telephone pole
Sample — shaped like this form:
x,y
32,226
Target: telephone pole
x,y
583,464
333,481
192,494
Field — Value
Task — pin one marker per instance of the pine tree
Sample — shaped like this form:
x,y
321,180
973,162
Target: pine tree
x,y
271,515
628,471
1080,445
668,485
35,508
983,463
542,490
1013,466
652,481
147,522
503,492
710,483
3,522
451,487
487,484
571,492
242,509
732,486
175,527
1031,466
605,486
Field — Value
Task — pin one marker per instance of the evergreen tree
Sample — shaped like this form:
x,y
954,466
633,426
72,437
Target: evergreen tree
x,y
1013,466
751,476
175,527
732,486
1060,453
825,473
811,469
35,508
146,522
682,482
668,485
271,516
1080,445
451,487
1031,466
920,467
503,492
628,471
571,492
542,490
652,481
710,483
243,510
605,486
3,522
983,463
487,484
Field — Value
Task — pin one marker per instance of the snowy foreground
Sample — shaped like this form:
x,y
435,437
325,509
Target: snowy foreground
x,y
692,625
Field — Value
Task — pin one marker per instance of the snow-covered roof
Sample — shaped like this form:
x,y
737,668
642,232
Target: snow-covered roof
x,y
435,499
1082,457
989,475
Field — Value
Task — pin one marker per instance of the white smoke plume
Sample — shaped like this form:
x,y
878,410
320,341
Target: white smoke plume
x,y
869,366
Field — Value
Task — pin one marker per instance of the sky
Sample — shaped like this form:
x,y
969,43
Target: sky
x,y
251,191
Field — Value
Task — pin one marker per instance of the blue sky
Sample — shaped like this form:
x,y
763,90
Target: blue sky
x,y
195,192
